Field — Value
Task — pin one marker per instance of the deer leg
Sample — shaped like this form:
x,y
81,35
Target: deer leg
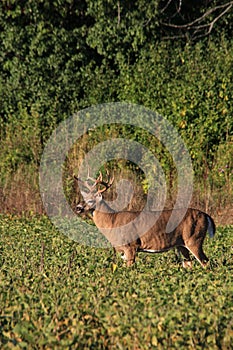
x,y
130,254
123,257
197,251
184,251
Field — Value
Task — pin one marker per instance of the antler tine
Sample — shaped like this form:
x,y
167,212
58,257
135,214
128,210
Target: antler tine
x,y
89,177
99,178
85,183
76,178
105,184
97,181
110,180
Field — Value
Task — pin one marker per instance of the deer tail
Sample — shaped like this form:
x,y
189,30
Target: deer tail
x,y
211,226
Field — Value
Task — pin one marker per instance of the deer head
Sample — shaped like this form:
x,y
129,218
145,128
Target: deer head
x,y
94,195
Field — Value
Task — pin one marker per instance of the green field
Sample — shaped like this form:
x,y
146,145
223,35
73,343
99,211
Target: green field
x,y
56,294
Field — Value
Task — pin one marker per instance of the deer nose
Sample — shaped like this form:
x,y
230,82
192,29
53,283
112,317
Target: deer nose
x,y
79,209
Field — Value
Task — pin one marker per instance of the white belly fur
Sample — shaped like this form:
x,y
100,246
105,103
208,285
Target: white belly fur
x,y
151,250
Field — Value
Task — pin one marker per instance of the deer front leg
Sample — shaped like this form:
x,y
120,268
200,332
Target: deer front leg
x,y
129,255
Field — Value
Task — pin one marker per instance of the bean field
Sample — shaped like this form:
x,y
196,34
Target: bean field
x,y
57,294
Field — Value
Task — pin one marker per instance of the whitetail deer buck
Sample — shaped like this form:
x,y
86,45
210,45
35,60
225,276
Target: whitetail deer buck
x,y
187,237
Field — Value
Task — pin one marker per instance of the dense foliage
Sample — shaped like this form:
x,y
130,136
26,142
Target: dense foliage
x,y
57,294
58,57
61,56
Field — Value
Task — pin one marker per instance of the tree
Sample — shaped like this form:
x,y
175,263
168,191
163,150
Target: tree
x,y
195,19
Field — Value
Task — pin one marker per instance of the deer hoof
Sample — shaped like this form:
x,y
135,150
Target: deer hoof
x,y
187,264
123,257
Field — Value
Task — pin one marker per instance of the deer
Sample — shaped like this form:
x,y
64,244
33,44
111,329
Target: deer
x,y
149,235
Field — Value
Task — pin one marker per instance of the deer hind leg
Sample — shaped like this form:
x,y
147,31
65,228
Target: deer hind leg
x,y
185,252
197,251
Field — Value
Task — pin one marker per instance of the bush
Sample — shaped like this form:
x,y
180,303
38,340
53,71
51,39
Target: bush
x,y
59,57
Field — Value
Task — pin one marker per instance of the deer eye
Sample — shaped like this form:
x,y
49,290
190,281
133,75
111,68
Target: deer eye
x,y
91,203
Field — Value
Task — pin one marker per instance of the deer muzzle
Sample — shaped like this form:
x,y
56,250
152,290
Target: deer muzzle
x,y
79,209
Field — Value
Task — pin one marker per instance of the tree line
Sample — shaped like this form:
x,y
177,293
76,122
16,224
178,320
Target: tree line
x,y
59,57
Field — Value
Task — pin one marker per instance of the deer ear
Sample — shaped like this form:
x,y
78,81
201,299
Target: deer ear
x,y
98,197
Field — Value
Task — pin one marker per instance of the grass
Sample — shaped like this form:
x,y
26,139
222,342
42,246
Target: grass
x,y
57,294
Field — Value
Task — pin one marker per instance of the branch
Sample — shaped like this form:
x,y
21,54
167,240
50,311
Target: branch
x,y
190,25
166,6
118,13
217,18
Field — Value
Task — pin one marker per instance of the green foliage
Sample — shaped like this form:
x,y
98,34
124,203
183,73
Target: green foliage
x,y
192,90
57,294
61,56
120,30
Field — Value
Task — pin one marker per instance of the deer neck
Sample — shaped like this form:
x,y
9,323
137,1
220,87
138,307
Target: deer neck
x,y
102,215
102,207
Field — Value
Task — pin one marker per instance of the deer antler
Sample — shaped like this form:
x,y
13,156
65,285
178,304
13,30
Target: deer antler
x,y
85,183
104,183
97,181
